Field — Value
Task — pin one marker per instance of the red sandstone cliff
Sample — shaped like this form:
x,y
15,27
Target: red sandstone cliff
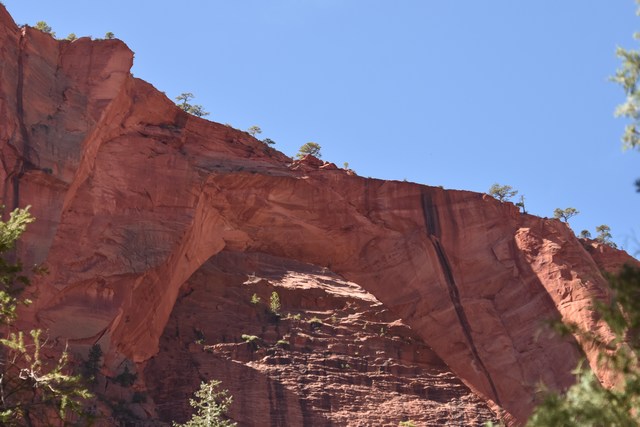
x,y
151,221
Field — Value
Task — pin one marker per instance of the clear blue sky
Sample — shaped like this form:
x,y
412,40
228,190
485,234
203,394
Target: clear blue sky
x,y
454,93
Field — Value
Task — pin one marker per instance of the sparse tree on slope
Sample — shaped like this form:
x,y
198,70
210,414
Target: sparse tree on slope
x,y
194,109
565,214
521,205
309,148
45,28
585,234
604,235
254,130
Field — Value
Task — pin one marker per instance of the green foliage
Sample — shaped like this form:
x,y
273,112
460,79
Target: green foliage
x,y
210,404
269,141
255,299
282,343
502,192
12,281
521,205
565,214
296,316
627,77
311,148
126,378
32,387
604,235
139,397
315,321
254,130
585,234
274,303
407,423
71,37
11,230
194,109
91,367
250,339
45,28
587,403
109,35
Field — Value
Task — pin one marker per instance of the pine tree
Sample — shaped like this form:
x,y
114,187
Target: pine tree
x,y
210,405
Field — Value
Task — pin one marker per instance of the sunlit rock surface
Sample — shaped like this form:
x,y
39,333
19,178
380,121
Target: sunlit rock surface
x,y
157,227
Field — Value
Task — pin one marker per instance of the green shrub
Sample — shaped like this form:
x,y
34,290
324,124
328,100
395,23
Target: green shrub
x,y
274,303
126,378
282,343
92,366
139,397
252,340
309,148
45,28
210,406
502,192
315,320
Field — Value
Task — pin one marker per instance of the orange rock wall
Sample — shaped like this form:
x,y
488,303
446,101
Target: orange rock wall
x,y
132,196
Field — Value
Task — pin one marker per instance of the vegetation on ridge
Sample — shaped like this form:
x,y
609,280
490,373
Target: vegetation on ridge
x,y
183,103
504,193
311,148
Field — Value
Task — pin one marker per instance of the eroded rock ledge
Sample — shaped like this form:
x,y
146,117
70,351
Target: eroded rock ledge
x,y
137,202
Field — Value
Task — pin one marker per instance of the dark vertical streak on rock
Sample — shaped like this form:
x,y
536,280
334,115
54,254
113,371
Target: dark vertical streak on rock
x,y
430,214
454,295
18,171
432,225
277,403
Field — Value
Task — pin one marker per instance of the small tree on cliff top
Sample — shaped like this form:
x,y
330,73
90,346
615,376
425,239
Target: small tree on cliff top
x,y
309,148
502,192
604,235
565,214
45,28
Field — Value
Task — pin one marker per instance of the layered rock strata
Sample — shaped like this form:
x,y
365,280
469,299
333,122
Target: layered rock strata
x,y
134,198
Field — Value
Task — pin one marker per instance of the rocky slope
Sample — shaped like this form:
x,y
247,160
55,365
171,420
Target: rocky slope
x,y
432,302
336,355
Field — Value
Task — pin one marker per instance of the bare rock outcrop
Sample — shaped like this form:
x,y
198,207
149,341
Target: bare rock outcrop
x,y
138,202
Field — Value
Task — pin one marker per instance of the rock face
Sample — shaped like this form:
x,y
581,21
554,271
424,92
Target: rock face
x,y
335,356
157,227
